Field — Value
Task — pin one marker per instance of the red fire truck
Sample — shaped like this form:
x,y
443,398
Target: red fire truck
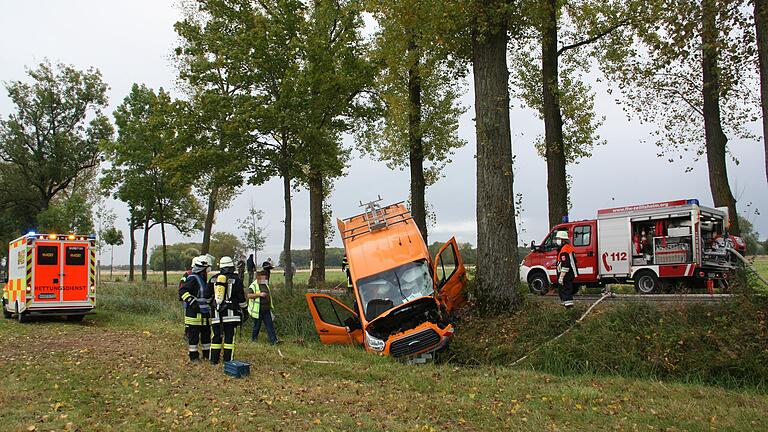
x,y
666,245
50,274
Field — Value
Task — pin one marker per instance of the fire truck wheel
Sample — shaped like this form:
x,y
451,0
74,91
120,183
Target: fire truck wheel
x,y
646,282
6,314
538,282
75,318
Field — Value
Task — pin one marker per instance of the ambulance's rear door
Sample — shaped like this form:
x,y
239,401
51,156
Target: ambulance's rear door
x,y
47,272
75,271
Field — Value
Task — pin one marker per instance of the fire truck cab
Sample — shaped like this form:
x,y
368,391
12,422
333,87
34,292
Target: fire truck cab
x,y
50,274
403,299
673,244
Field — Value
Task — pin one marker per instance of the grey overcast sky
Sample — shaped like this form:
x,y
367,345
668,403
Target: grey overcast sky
x,y
132,41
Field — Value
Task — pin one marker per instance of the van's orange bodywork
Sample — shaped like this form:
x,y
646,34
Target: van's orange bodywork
x,y
417,326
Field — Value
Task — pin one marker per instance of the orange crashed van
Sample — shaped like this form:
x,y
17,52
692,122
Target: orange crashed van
x,y
403,298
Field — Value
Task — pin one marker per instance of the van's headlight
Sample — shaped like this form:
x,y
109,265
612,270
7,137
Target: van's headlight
x,y
373,343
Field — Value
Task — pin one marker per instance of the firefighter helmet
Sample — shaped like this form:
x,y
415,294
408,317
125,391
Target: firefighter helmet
x,y
562,235
201,261
226,262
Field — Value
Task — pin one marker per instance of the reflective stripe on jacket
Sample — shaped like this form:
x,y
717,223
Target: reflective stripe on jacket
x,y
255,304
566,260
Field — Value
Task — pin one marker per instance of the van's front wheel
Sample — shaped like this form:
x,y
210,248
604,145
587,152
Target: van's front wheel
x,y
538,282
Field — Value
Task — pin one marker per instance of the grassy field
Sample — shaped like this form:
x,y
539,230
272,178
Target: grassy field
x,y
125,368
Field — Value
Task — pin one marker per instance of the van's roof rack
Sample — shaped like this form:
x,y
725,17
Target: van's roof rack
x,y
376,218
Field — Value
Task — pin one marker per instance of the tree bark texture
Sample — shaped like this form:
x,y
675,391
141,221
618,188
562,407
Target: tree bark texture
x,y
213,200
287,235
165,252
715,139
554,148
497,258
132,256
144,248
415,142
316,229
761,31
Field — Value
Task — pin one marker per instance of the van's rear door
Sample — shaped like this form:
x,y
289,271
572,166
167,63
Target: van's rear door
x,y
450,276
46,278
331,318
75,272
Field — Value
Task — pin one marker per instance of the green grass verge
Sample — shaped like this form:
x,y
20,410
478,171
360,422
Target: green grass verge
x,y
128,372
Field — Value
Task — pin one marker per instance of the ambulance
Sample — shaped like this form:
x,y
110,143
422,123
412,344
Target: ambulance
x,y
404,299
664,246
50,274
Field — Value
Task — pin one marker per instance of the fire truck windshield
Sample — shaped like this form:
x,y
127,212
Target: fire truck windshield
x,y
383,291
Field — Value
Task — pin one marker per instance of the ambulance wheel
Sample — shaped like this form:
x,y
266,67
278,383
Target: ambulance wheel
x,y
21,316
646,282
75,318
6,314
538,282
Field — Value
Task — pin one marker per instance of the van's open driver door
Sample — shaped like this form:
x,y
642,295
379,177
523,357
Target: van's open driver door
x,y
331,318
450,276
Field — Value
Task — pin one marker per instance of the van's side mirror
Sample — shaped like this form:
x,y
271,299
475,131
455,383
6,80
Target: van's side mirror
x,y
533,245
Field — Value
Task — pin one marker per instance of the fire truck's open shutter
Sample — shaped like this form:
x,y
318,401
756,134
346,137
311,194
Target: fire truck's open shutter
x,y
660,217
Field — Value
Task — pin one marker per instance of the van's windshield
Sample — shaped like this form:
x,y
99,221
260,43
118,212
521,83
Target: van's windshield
x,y
383,291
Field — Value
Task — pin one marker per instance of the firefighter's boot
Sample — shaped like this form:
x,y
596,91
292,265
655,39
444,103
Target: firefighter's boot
x,y
216,353
228,349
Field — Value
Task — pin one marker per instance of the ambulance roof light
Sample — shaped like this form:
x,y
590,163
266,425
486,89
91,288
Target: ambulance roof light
x,y
71,237
31,233
52,236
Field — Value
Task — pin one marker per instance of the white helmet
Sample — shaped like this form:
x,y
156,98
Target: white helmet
x,y
226,261
562,235
201,261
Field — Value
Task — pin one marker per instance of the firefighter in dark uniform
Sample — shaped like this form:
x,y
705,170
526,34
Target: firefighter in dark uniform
x,y
345,268
229,308
197,298
567,269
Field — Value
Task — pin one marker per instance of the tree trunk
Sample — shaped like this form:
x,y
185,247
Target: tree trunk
x,y
165,252
554,149
213,199
287,236
316,229
144,248
132,257
497,258
715,139
111,262
761,31
415,143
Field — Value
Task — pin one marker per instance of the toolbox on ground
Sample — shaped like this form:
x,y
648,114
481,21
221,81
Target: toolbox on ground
x,y
237,368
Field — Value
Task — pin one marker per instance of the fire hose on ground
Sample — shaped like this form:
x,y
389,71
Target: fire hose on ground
x,y
578,321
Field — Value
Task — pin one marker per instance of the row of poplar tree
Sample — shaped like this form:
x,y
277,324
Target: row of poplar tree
x,y
272,86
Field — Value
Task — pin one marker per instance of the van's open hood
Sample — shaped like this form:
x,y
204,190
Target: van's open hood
x,y
403,317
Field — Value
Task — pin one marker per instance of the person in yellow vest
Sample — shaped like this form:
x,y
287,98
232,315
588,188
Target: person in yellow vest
x,y
260,307
228,309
